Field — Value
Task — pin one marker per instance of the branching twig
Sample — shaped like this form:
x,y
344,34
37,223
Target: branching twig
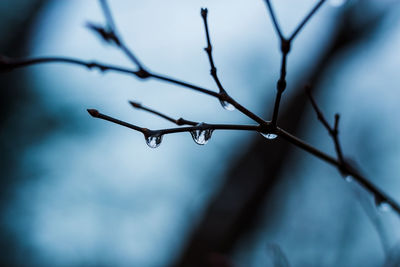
x,y
204,130
118,41
208,49
178,122
333,131
285,49
306,19
202,126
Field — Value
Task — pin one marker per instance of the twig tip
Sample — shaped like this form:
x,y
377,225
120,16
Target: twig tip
x,y
204,12
135,104
93,112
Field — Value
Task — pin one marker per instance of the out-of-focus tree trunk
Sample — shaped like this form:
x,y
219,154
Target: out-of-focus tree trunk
x,y
17,131
234,210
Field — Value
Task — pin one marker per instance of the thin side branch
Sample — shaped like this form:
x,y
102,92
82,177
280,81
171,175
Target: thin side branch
x,y
306,19
208,49
8,64
274,20
107,15
380,196
280,86
109,34
96,114
112,30
203,126
178,122
333,131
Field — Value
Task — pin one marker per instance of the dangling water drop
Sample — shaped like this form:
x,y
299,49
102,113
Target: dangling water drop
x,y
381,204
269,135
97,71
201,136
348,179
153,141
226,105
337,3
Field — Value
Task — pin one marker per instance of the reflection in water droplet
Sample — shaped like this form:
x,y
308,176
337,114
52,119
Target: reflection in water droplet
x,y
226,105
269,135
348,179
201,136
381,204
384,206
337,3
153,141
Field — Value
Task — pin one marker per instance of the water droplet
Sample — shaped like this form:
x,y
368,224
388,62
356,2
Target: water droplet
x,y
153,141
348,179
269,135
337,3
381,204
201,136
226,105
96,71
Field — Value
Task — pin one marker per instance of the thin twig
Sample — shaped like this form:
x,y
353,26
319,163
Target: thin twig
x,y
379,195
285,49
274,20
113,30
8,64
203,126
280,86
306,19
333,131
96,114
208,49
221,97
178,122
107,15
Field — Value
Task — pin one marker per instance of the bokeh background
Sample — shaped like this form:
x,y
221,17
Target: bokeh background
x,y
76,191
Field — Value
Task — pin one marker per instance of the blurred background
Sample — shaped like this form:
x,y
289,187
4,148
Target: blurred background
x,y
76,191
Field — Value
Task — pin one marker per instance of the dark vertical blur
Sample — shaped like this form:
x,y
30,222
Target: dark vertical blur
x,y
235,210
17,129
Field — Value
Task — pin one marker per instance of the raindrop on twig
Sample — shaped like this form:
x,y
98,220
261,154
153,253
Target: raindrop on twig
x,y
201,136
226,105
153,141
269,135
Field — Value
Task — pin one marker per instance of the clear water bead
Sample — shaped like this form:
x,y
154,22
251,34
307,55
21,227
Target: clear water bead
x,y
226,105
201,136
153,141
337,3
381,204
348,179
269,135
384,206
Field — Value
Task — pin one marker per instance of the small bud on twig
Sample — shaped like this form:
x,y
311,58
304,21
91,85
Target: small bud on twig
x,y
93,112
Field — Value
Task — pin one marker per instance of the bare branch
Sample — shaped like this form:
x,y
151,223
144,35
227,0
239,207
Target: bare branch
x,y
333,131
274,20
208,49
280,86
107,15
178,122
380,196
153,137
8,64
113,31
96,114
320,116
202,126
306,19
